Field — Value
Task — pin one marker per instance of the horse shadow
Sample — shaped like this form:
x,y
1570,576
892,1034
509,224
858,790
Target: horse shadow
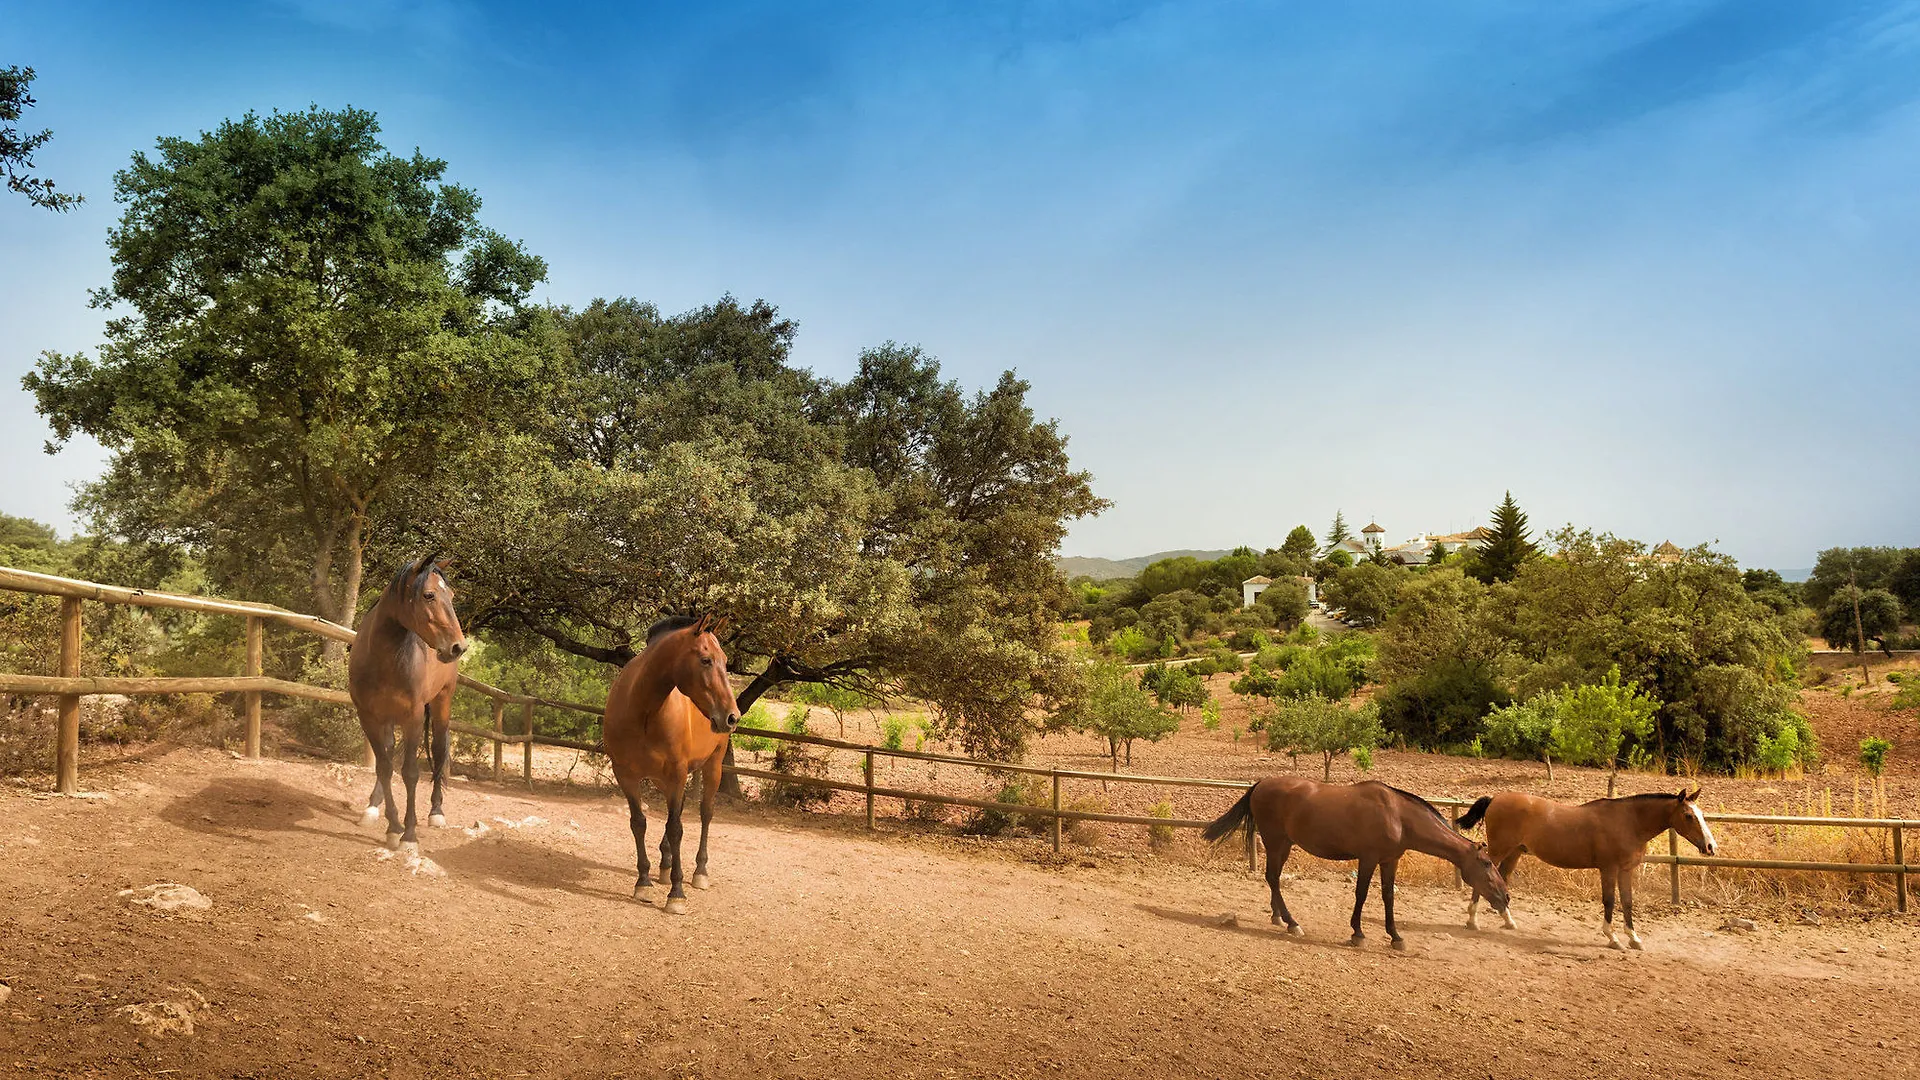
x,y
516,869
1215,922
245,807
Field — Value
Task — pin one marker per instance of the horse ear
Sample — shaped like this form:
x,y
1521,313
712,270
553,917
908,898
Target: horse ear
x,y
719,627
1695,797
700,623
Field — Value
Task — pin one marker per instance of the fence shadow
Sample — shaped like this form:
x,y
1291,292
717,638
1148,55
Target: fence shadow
x,y
245,807
516,869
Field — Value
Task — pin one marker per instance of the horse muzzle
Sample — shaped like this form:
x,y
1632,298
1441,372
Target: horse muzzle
x,y
452,652
724,724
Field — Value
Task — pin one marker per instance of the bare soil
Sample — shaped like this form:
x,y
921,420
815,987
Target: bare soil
x,y
823,951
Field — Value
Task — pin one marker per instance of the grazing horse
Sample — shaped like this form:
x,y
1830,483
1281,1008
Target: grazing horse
x,y
401,673
671,710
1367,821
1608,835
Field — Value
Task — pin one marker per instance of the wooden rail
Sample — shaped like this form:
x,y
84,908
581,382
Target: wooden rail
x,y
70,686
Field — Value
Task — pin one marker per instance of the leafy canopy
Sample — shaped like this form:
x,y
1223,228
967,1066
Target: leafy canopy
x,y
17,147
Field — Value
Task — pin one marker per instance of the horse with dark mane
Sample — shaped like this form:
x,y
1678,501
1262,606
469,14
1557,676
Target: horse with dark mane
x,y
1369,822
1608,835
669,711
401,673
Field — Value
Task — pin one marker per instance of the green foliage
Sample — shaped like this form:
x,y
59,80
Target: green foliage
x,y
313,329
1363,758
1299,544
758,716
1112,705
1440,704
1179,688
1508,548
1879,615
1908,694
1873,754
1368,592
1284,602
895,728
1336,532
1525,730
1210,714
17,147
1304,635
1865,567
1131,644
1596,718
1318,726
1160,835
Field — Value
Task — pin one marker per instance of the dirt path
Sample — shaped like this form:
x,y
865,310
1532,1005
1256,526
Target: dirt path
x,y
825,952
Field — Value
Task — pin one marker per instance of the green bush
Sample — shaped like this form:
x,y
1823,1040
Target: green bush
x,y
1873,754
1210,715
1441,706
1160,835
756,717
1363,758
1318,726
894,729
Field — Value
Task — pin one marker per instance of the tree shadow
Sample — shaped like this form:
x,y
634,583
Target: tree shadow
x,y
516,869
244,807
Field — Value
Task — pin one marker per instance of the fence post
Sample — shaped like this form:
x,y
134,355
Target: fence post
x,y
526,757
67,748
1673,868
255,647
1900,877
866,769
1056,812
499,728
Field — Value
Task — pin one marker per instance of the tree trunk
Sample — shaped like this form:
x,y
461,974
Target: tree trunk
x,y
1113,753
1859,634
1326,772
1548,758
1611,777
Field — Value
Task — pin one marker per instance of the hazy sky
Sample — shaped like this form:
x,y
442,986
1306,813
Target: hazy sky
x,y
1651,265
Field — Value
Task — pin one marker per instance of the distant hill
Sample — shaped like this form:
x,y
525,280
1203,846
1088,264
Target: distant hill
x,y
1102,569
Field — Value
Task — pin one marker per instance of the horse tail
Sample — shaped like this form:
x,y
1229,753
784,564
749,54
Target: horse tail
x,y
1228,823
1474,813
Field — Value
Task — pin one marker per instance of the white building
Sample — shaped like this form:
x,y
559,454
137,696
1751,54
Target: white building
x,y
1251,589
1415,551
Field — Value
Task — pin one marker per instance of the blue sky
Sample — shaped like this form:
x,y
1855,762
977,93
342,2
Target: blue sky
x,y
1652,266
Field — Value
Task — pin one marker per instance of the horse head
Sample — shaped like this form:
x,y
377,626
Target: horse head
x,y
1478,871
423,603
1689,822
701,674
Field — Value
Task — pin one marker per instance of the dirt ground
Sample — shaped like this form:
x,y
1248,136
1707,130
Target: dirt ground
x,y
823,951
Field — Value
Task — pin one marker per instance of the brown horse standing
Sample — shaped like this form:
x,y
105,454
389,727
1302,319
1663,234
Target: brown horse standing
x,y
1368,821
401,674
670,710
1608,835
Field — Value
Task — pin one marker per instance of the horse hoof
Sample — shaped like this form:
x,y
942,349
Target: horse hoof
x,y
372,815
1614,943
643,893
410,848
1276,919
393,841
701,881
1356,941
1634,943
1295,931
676,905
1398,945
437,821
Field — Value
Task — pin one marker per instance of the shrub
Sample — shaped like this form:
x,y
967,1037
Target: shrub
x,y
1525,730
1595,719
798,759
1086,833
1319,726
1160,835
1908,694
757,717
796,722
1363,758
1016,792
1873,754
1210,715
1441,706
894,729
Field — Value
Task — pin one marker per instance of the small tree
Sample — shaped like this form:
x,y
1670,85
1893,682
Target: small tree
x,y
1595,719
1525,730
1507,547
1179,688
1299,544
1854,617
1115,708
1210,714
1873,754
1318,726
1337,532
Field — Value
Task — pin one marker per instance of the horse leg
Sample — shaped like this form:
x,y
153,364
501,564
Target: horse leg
x,y
382,766
383,755
439,717
1387,869
1278,851
410,772
1506,874
1626,906
1606,904
1362,880
637,820
676,802
709,788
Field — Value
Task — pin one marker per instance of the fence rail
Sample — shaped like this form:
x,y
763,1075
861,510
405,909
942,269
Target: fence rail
x,y
70,686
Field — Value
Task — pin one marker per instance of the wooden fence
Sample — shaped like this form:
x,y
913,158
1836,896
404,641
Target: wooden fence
x,y
69,686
